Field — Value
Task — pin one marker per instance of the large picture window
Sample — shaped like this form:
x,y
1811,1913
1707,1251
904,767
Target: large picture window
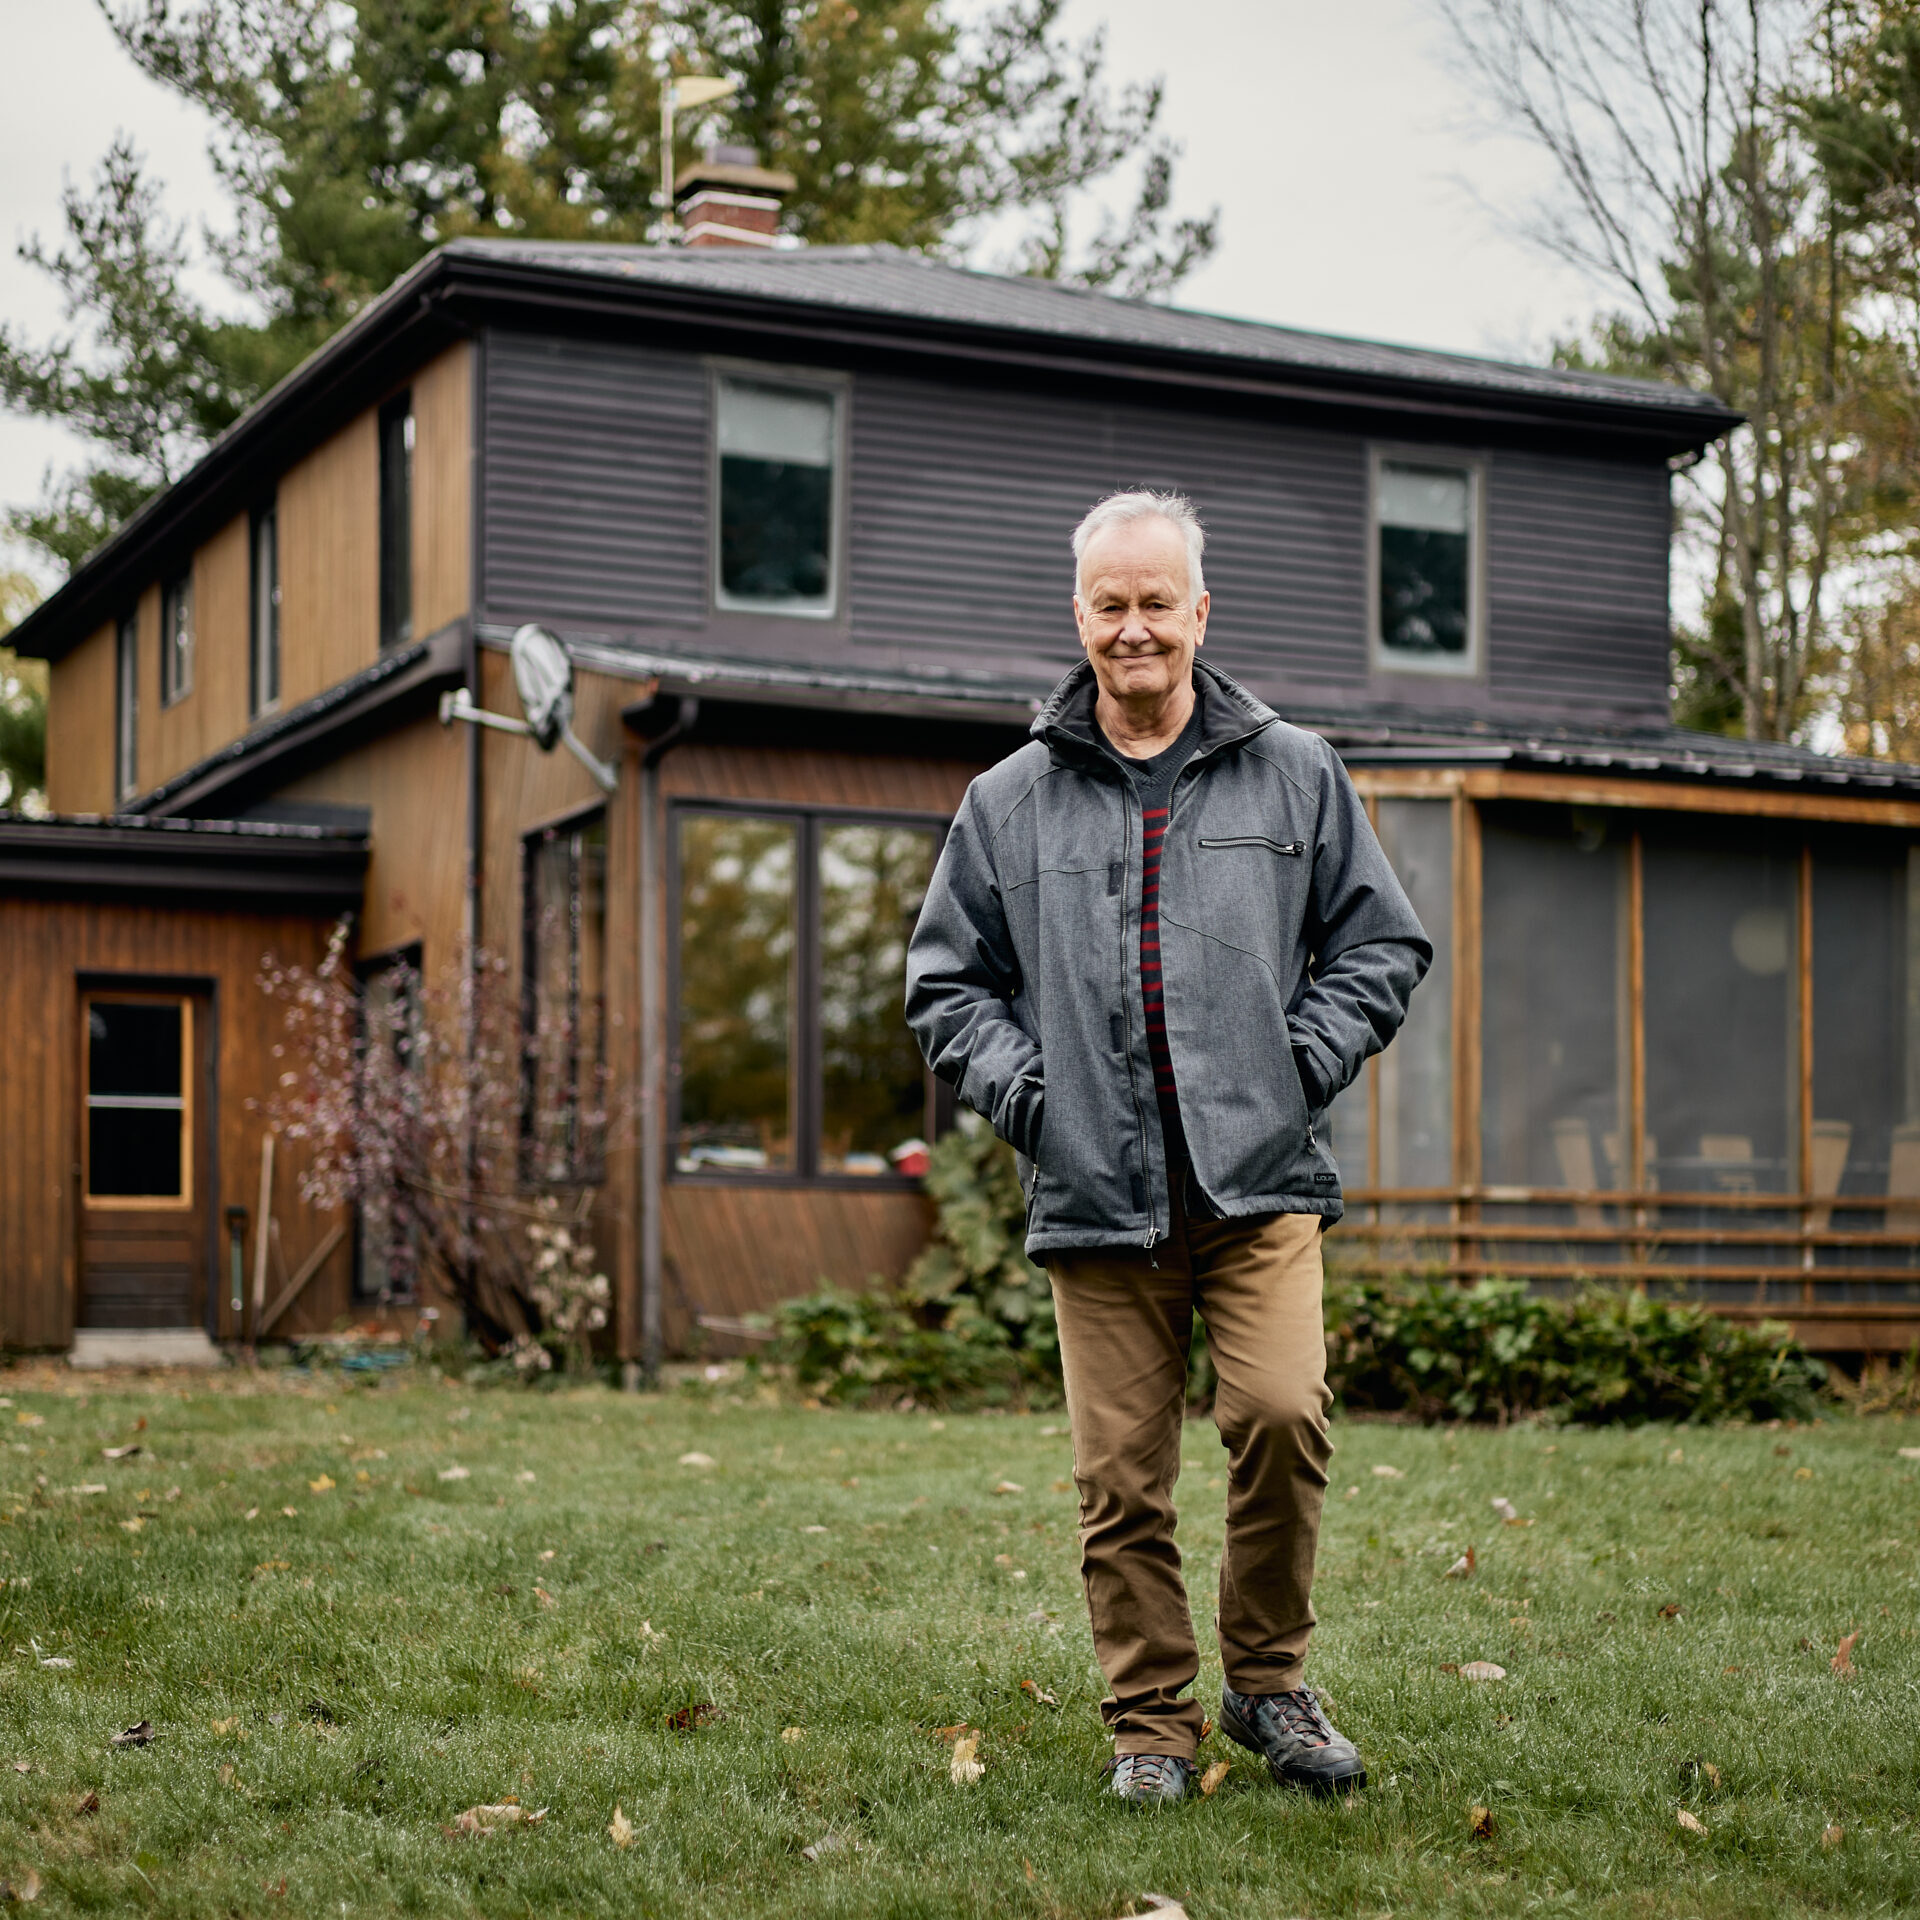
x,y
792,1052
138,1101
1426,563
777,453
563,1118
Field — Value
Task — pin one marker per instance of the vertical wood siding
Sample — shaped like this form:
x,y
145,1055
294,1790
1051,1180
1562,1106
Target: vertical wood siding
x,y
81,717
442,489
961,497
44,947
329,514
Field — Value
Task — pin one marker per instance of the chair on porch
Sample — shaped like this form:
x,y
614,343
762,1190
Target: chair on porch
x,y
1832,1141
1573,1149
1903,1178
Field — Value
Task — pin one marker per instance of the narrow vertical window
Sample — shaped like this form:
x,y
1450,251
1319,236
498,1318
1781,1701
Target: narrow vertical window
x,y
396,521
176,640
563,1119
266,611
137,1104
776,505
126,709
1427,565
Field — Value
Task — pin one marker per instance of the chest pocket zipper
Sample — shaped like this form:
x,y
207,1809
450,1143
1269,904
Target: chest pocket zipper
x,y
1258,840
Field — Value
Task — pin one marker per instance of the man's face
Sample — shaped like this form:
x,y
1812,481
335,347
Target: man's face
x,y
1138,621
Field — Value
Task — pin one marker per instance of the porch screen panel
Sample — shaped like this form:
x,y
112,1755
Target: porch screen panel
x,y
1866,1052
1722,1049
738,961
873,1084
1416,1073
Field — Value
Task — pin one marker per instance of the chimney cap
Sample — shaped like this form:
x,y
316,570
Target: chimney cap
x,y
724,165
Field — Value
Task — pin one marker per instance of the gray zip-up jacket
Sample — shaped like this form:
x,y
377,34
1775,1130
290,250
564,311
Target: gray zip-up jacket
x,y
1289,949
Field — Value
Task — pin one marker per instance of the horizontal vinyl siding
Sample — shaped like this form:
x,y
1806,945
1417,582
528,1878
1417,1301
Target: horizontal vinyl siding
x,y
594,493
1577,584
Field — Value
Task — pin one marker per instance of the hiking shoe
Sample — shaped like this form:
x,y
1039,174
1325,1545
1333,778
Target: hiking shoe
x,y
1149,1779
1297,1740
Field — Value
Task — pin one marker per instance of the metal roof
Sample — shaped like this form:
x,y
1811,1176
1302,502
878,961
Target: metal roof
x,y
888,281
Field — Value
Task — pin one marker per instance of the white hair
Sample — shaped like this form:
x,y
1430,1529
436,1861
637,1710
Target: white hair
x,y
1139,503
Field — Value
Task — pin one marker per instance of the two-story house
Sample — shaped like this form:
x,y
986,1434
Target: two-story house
x,y
800,519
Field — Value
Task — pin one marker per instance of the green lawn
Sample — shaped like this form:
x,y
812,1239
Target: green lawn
x,y
331,1687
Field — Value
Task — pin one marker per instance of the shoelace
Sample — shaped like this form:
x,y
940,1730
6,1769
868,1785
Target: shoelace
x,y
1153,1771
1299,1712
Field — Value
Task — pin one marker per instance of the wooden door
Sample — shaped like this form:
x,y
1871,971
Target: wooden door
x,y
145,1194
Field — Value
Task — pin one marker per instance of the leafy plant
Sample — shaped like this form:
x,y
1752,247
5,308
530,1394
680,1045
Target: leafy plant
x,y
855,1347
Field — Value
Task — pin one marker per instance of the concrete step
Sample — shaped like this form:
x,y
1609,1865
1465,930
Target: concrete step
x,y
142,1347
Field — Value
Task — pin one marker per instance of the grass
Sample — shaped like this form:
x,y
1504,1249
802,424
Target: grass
x,y
330,1688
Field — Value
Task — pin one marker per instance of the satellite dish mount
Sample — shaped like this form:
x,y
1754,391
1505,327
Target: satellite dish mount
x,y
543,678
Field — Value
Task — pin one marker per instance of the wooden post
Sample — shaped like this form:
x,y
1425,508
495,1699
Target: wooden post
x,y
1803,946
1637,1049
261,1230
1466,1017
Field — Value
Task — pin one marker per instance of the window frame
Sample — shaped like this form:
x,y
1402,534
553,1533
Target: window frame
x,y
808,820
838,388
591,1170
395,556
263,649
186,1199
126,708
175,591
1380,658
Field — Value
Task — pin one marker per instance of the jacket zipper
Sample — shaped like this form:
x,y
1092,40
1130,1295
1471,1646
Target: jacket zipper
x,y
1258,840
1127,800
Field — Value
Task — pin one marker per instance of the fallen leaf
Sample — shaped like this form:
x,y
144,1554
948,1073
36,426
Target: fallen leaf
x,y
172,1493
1481,1670
814,1529
826,1844
136,1525
543,1596
1842,1661
793,1735
1671,1611
548,1554
1462,1567
950,1734
965,1769
1388,1473
1063,1486
703,1713
91,1804
506,1813
138,1735
293,1513
1910,1453
227,1776
120,1453
1035,1691
99,1486
28,1889
1831,1836
29,1419
1505,1508
58,1662
252,1513
1210,1780
1689,1822
1167,1909
1803,1473
526,1479
323,1485
1480,1823
1009,1486
23,1766
456,1473
620,1829
697,1460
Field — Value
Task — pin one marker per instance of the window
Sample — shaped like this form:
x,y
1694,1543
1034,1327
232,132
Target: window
x,y
176,640
126,709
265,678
792,1052
387,1243
138,1108
777,449
1427,567
396,521
563,985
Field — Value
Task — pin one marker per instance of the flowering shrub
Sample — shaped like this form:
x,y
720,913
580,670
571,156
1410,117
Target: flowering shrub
x,y
573,1299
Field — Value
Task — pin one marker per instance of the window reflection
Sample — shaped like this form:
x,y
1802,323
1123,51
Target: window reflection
x,y
1425,516
564,1120
738,951
873,1085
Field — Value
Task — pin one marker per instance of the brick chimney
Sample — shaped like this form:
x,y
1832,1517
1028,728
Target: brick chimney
x,y
726,198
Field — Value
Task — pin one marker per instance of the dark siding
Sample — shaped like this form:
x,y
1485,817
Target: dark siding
x,y
960,501
595,490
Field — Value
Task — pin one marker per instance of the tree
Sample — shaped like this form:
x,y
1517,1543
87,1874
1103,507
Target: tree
x,y
1688,185
23,707
354,138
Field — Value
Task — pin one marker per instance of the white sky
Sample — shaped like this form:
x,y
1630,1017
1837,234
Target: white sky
x,y
1334,138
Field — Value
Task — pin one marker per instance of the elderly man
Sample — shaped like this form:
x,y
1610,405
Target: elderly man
x,y
1161,938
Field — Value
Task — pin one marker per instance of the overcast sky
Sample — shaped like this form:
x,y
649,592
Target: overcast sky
x,y
1334,138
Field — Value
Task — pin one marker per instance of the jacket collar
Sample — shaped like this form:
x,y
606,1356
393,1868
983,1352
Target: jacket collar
x,y
1228,715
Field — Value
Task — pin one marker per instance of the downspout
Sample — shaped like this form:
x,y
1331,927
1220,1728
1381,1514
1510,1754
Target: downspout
x,y
653,1063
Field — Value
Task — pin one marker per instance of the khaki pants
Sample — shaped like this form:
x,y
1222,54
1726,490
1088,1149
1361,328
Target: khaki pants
x,y
1124,1330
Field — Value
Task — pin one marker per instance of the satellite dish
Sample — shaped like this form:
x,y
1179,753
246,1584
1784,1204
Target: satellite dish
x,y
543,677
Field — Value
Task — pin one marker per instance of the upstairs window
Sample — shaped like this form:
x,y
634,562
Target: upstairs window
x,y
265,678
777,455
176,640
126,709
563,1008
1427,564
396,521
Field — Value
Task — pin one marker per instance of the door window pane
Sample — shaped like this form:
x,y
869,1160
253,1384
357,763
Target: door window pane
x,y
136,1099
738,959
1416,1072
1425,518
776,453
873,1083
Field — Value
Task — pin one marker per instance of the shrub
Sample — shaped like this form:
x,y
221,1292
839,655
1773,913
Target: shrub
x,y
854,1347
